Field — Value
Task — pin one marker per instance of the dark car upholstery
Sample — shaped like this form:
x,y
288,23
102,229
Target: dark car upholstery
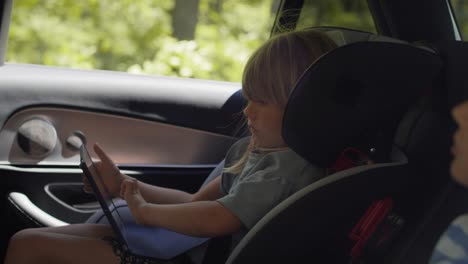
x,y
427,142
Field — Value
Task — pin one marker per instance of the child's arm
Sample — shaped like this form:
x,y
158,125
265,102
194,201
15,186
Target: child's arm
x,y
161,195
199,218
153,194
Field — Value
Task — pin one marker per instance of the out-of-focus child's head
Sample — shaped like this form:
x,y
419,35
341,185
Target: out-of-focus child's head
x,y
459,166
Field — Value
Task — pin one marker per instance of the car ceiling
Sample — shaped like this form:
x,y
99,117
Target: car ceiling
x,y
413,20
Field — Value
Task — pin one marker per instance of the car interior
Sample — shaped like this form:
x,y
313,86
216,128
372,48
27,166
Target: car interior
x,y
388,92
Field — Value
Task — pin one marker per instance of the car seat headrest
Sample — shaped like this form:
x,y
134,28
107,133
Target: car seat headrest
x,y
343,36
354,94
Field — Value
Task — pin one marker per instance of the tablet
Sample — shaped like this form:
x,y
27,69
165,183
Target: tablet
x,y
153,242
102,194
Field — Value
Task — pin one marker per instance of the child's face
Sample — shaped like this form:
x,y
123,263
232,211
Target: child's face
x,y
459,166
265,122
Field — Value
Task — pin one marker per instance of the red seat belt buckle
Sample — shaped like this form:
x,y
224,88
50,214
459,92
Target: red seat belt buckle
x,y
367,225
348,158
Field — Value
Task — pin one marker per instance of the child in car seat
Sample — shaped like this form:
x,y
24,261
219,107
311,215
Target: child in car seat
x,y
452,246
260,171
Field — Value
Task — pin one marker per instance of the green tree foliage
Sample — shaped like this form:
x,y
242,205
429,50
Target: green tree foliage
x,y
137,36
460,8
345,13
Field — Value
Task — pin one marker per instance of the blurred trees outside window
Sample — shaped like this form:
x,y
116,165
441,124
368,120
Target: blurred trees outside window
x,y
460,8
353,14
205,39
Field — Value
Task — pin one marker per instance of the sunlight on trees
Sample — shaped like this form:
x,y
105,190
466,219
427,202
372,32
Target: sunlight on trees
x,y
460,8
208,39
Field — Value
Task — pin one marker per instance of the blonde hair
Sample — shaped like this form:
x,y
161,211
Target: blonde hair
x,y
273,69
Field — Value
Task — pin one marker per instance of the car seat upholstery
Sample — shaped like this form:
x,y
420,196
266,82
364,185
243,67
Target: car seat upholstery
x,y
343,36
355,95
362,89
424,136
427,141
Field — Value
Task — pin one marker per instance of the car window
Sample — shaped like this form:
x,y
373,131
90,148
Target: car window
x,y
207,39
460,8
353,14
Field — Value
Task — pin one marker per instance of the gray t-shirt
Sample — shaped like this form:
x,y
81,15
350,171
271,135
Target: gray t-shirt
x,y
267,179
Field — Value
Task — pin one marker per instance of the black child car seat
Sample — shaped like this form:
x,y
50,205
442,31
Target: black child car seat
x,y
356,95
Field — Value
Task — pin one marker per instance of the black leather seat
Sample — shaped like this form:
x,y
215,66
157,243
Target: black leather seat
x,y
430,129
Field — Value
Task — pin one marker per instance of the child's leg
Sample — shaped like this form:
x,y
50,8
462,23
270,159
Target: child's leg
x,y
83,230
67,244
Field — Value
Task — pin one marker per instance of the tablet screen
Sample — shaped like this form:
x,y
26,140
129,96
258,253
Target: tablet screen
x,y
100,190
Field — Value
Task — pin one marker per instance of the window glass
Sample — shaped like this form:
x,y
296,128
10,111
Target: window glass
x,y
352,14
460,8
208,39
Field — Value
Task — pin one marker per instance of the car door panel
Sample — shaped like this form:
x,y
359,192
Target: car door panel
x,y
127,140
58,192
199,104
169,121
165,131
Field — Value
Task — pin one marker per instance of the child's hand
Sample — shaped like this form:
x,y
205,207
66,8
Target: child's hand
x,y
109,172
131,193
86,185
